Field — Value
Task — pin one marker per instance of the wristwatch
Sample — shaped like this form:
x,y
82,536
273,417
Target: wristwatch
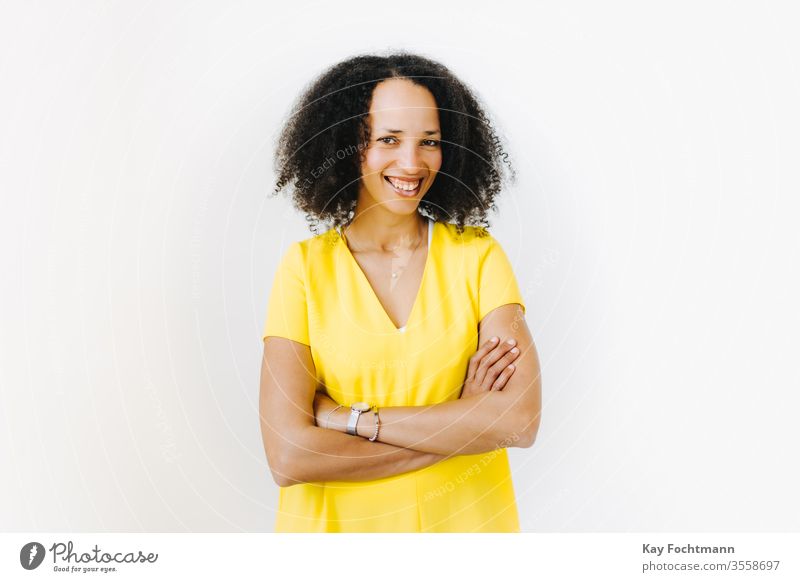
x,y
356,410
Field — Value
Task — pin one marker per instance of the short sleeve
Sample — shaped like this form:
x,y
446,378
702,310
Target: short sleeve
x,y
287,311
497,283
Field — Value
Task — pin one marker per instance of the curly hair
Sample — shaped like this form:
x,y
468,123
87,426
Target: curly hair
x,y
316,151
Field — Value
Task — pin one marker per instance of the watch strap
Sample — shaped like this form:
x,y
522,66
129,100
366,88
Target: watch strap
x,y
352,421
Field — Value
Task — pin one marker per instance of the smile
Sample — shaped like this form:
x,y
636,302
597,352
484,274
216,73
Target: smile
x,y
404,187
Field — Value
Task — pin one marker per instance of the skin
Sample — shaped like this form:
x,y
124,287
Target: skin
x,y
499,405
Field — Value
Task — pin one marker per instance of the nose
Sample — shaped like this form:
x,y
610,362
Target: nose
x,y
409,158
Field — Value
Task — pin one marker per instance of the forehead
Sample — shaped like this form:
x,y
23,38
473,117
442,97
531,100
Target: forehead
x,y
400,104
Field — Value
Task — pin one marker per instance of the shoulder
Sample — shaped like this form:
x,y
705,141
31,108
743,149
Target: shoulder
x,y
311,249
475,239
477,248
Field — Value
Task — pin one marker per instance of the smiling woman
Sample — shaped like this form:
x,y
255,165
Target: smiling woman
x,y
397,365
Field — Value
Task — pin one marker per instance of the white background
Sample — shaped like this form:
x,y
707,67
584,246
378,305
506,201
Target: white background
x,y
652,230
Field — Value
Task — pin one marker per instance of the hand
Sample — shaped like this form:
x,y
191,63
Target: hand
x,y
490,367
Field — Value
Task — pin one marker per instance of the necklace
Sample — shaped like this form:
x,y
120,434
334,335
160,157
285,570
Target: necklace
x,y
403,268
396,273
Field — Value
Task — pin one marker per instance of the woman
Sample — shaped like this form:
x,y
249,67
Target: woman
x,y
378,411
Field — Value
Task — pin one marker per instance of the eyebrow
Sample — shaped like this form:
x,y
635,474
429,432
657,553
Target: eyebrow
x,y
428,132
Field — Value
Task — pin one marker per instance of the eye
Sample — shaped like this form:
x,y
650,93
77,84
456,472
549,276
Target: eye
x,y
431,143
381,139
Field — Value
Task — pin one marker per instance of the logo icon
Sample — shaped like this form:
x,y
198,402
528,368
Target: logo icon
x,y
31,555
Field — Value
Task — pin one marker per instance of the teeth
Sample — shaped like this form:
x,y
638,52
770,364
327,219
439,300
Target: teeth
x,y
403,185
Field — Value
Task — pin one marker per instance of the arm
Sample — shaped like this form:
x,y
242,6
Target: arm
x,y
296,449
478,423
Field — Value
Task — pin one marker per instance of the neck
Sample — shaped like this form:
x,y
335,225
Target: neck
x,y
386,231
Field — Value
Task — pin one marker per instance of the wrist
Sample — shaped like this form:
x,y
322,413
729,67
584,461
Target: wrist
x,y
366,424
339,419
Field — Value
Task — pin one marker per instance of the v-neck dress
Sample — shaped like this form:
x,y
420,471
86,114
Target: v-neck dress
x,y
320,297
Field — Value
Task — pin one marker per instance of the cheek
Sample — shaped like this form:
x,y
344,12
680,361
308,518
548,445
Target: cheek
x,y
435,161
373,164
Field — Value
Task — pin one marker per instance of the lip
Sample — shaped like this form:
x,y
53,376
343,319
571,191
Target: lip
x,y
404,193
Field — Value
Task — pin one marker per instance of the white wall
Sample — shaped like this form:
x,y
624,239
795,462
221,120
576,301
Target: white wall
x,y
652,230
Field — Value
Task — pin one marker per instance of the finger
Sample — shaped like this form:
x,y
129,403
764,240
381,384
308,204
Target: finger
x,y
475,360
491,359
504,377
498,367
509,357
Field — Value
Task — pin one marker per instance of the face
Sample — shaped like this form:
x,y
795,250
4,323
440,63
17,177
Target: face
x,y
404,153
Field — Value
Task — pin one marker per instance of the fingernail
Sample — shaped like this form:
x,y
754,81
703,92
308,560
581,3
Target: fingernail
x,y
511,342
514,350
494,339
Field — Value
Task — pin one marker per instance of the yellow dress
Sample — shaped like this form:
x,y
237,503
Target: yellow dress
x,y
320,297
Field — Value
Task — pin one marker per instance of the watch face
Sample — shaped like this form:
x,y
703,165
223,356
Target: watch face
x,y
361,406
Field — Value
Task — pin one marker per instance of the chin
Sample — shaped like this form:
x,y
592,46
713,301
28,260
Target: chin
x,y
402,207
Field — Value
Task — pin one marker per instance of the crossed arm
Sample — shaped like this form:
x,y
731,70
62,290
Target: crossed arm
x,y
411,437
